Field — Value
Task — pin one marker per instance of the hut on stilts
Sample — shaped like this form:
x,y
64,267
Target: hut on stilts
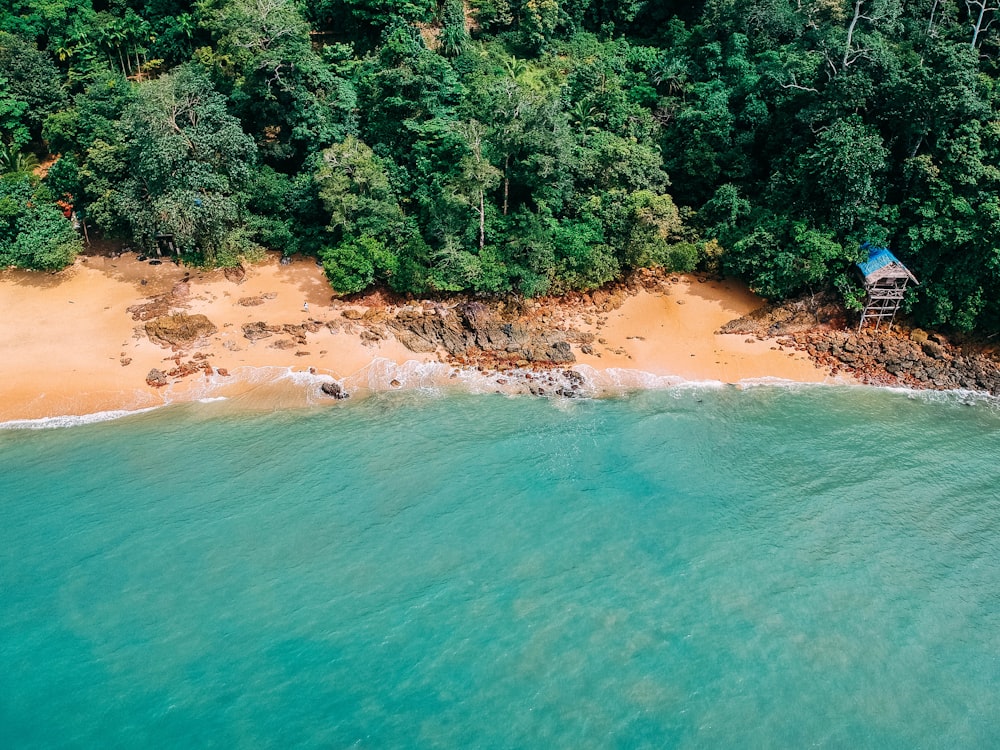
x,y
885,279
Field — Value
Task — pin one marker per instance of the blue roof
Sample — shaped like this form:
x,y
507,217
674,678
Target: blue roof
x,y
878,257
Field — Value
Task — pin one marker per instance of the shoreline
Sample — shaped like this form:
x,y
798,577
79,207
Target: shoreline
x,y
288,393
76,342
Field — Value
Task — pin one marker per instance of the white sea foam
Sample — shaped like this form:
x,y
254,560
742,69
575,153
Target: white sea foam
x,y
616,380
437,378
772,382
255,386
71,420
385,375
959,396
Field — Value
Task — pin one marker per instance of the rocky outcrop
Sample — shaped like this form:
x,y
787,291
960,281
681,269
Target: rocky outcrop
x,y
817,326
472,330
259,330
787,318
256,300
179,330
895,357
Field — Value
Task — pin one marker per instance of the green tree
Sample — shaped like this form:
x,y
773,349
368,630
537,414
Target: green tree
x,y
356,264
187,163
30,88
13,161
353,185
34,233
454,34
843,175
290,100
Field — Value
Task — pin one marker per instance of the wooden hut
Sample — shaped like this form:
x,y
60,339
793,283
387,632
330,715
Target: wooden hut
x,y
885,279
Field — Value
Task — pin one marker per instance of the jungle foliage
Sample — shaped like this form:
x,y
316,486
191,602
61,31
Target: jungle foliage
x,y
525,146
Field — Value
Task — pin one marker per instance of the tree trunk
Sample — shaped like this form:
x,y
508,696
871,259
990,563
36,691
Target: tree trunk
x,y
977,27
850,32
482,221
506,184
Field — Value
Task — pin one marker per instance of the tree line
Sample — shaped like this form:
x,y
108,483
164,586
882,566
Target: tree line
x,y
514,146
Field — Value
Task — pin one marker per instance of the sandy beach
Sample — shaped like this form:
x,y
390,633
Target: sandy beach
x,y
71,345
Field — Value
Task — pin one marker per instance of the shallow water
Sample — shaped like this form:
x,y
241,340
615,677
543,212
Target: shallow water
x,y
770,567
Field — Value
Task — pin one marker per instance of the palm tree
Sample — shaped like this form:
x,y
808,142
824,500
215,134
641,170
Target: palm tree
x,y
15,162
585,118
454,36
515,68
671,71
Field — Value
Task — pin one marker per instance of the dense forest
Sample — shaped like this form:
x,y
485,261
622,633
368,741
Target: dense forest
x,y
525,146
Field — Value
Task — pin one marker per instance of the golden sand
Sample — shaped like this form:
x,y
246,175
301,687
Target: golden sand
x,y
70,347
675,334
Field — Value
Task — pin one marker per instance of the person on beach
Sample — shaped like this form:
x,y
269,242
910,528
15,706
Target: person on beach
x,y
305,307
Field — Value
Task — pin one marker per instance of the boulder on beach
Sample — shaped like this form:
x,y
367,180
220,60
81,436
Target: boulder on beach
x,y
258,330
179,330
156,378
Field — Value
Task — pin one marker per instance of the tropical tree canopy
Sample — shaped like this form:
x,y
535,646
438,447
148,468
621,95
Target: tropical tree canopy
x,y
520,146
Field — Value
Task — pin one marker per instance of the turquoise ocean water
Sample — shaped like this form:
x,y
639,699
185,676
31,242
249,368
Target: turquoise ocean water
x,y
696,567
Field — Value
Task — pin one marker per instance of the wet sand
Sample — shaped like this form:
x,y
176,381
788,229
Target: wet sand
x,y
70,346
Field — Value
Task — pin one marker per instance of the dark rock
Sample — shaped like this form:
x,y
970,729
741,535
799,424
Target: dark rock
x,y
335,390
934,349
